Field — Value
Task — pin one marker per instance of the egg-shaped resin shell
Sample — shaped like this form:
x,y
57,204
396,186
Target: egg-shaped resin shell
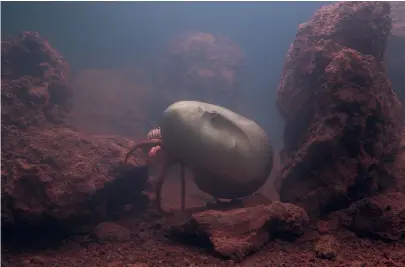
x,y
230,155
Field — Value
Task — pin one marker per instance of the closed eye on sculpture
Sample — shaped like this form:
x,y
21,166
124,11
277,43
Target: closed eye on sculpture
x,y
227,127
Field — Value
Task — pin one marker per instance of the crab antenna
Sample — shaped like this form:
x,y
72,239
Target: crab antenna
x,y
153,125
142,144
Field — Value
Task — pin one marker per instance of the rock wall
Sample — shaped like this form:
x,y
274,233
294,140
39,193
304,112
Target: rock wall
x,y
343,120
383,216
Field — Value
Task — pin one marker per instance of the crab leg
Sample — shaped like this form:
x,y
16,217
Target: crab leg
x,y
159,183
153,142
183,186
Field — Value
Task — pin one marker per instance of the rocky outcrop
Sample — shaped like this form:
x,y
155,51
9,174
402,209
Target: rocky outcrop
x,y
236,233
381,216
35,87
59,174
51,174
343,120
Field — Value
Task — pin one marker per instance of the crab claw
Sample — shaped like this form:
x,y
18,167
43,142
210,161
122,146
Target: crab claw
x,y
154,150
153,142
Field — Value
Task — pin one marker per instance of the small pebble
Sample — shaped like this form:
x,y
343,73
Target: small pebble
x,y
326,247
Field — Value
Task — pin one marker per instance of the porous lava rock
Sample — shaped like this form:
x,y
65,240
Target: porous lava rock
x,y
52,175
236,233
326,247
112,102
59,174
381,216
204,67
34,82
396,49
342,118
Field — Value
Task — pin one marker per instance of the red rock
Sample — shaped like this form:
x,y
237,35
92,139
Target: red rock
x,y
30,55
380,216
238,232
394,171
343,120
35,87
52,174
61,174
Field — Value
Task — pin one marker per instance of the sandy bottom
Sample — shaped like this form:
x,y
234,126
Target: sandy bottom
x,y
150,247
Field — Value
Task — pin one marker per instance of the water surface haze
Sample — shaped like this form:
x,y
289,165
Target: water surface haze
x,y
117,35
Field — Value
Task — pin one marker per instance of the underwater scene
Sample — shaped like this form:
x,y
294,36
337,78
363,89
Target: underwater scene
x,y
202,134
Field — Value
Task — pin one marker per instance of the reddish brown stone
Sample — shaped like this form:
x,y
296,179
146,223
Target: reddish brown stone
x,y
343,120
35,87
380,216
326,247
61,174
238,232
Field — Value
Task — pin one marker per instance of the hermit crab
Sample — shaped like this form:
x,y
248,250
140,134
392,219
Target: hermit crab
x,y
230,155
